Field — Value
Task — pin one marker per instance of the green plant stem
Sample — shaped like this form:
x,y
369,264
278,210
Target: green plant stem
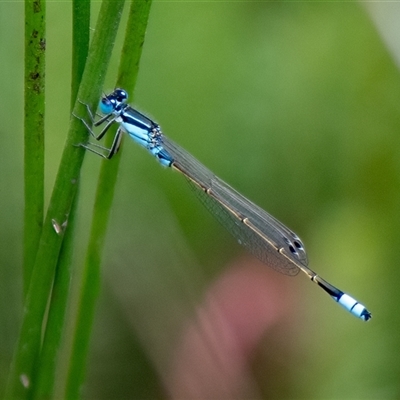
x,y
43,385
80,43
35,51
25,356
45,372
133,44
128,71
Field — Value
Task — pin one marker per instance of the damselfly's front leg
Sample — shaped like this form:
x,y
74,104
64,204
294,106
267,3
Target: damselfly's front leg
x,y
109,152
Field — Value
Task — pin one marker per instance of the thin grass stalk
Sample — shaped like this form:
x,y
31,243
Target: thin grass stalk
x,y
29,341
127,76
44,384
35,61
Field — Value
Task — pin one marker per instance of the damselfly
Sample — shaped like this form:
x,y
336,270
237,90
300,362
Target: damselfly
x,y
263,235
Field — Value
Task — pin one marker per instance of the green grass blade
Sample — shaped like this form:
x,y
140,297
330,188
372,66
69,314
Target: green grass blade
x,y
25,356
45,373
35,46
43,385
133,44
128,72
80,43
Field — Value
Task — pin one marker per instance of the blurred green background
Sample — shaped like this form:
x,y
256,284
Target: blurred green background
x,y
296,105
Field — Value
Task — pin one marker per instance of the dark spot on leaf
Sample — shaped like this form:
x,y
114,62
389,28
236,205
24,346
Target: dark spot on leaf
x,y
37,6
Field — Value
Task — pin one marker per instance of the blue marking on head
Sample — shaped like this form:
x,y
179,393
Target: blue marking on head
x,y
113,102
106,106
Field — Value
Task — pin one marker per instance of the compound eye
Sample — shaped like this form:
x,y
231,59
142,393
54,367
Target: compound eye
x,y
120,95
107,105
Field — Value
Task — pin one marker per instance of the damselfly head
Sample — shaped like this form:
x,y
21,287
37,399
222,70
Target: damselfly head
x,y
113,102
